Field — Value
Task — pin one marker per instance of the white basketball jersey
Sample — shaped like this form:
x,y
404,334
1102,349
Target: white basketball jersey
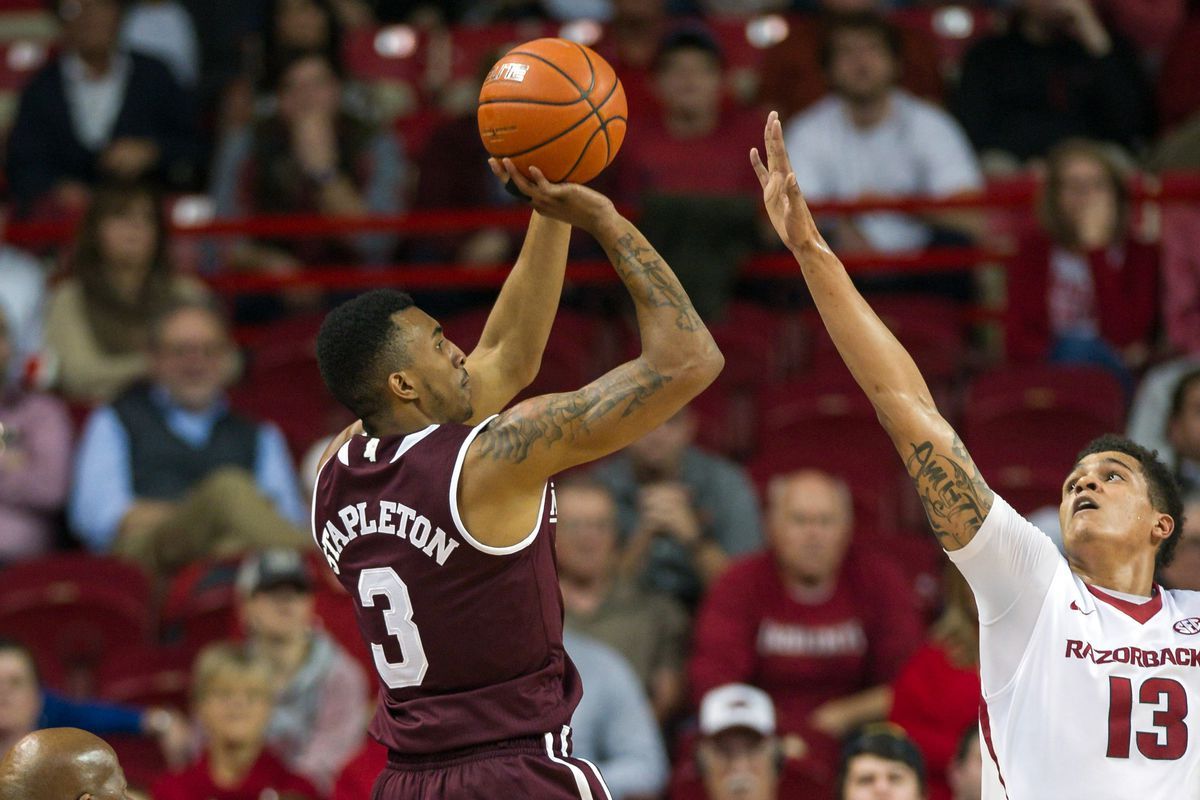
x,y
1085,694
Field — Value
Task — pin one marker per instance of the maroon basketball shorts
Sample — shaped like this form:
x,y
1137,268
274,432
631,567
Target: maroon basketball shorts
x,y
534,767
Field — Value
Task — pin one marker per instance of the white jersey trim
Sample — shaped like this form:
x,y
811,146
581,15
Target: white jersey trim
x,y
458,523
581,782
412,440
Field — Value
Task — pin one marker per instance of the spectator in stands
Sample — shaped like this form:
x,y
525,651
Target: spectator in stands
x,y
1183,431
792,76
232,701
695,127
26,707
321,692
882,764
630,43
965,773
871,138
163,29
310,156
683,512
22,297
1151,409
98,320
821,627
1057,72
292,27
738,755
168,474
936,695
96,111
358,777
1184,570
1178,97
613,727
1083,289
647,628
703,219
35,463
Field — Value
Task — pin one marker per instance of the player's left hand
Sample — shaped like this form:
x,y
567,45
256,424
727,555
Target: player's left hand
x,y
781,194
572,203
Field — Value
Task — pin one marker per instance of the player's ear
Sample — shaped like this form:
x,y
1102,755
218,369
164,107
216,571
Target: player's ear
x,y
1164,526
401,385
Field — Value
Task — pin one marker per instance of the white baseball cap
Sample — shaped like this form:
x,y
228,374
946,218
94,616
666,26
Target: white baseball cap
x,y
736,705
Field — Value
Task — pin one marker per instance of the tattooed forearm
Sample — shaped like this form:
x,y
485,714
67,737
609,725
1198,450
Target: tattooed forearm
x,y
564,416
955,497
650,281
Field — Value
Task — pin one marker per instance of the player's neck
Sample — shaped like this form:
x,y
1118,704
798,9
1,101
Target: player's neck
x,y
1128,578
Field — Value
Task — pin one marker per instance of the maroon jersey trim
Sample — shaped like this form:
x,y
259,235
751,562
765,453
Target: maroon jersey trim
x,y
581,781
458,523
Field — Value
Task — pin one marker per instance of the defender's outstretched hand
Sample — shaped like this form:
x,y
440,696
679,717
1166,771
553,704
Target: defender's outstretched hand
x,y
781,194
572,203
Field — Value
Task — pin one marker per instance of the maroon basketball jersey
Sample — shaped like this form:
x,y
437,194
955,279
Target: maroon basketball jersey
x,y
466,638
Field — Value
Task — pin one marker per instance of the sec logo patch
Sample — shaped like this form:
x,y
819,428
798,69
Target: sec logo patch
x,y
1189,626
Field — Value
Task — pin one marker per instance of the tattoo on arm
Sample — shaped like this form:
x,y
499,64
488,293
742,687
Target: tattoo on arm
x,y
651,282
565,416
955,496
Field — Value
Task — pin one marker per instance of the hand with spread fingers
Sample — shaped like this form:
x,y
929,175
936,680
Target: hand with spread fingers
x,y
781,194
572,203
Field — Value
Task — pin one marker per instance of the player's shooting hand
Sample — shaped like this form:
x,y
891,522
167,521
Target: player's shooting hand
x,y
572,203
781,194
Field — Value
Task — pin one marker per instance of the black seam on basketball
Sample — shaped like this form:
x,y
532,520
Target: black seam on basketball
x,y
591,66
558,135
583,151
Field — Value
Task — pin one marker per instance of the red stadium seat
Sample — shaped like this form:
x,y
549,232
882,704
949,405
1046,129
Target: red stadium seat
x,y
75,608
141,759
147,676
200,605
954,28
283,383
1039,416
471,46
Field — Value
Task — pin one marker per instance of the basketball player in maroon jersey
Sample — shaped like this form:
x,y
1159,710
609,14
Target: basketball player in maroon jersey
x,y
438,516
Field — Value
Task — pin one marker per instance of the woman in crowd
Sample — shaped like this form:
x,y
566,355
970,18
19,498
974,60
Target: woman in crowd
x,y
1083,289
98,319
936,694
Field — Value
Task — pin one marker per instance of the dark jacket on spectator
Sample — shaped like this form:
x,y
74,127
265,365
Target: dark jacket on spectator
x,y
1022,97
43,149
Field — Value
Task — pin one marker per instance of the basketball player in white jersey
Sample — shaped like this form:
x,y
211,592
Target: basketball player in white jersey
x,y
1090,671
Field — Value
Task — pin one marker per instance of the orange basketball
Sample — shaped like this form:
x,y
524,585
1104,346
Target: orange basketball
x,y
556,105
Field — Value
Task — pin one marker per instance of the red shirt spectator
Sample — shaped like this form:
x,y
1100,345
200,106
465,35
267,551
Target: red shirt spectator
x,y
266,775
1178,91
820,628
935,701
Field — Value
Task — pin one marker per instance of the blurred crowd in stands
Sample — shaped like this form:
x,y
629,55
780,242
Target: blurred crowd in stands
x,y
158,430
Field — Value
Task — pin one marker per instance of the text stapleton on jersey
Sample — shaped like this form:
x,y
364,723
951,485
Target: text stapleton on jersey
x,y
390,519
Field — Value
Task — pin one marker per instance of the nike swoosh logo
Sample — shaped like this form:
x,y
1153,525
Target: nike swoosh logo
x,y
1075,607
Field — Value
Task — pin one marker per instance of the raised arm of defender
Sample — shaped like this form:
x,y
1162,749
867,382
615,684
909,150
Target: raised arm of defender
x,y
509,462
955,496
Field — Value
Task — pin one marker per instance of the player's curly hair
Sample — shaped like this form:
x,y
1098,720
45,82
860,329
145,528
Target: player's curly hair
x,y
1164,491
358,344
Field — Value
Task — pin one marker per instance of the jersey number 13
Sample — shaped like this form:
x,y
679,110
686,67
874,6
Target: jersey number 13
x,y
1169,720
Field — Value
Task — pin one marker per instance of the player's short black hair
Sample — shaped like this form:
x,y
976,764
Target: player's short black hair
x,y
13,646
1165,495
1181,389
883,740
866,21
358,339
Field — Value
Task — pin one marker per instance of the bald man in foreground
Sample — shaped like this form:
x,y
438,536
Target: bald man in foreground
x,y
61,764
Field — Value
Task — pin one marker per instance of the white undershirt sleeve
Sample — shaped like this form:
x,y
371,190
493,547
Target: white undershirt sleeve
x,y
1009,565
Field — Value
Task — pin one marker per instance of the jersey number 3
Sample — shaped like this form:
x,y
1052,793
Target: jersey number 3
x,y
1169,719
397,617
